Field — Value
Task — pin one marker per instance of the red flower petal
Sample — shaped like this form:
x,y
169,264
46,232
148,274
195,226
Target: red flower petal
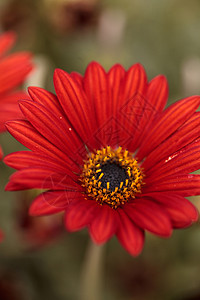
x,y
149,216
100,98
78,77
181,211
10,107
41,178
44,122
47,99
157,92
79,214
112,130
186,134
185,185
172,118
49,203
129,235
115,77
6,41
182,162
135,82
32,139
27,159
96,89
104,224
132,103
11,76
153,103
74,104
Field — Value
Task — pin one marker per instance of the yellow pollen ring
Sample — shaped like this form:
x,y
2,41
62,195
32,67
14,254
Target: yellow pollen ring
x,y
105,194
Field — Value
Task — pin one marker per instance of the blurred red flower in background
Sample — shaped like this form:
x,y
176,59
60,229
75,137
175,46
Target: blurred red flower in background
x,y
109,154
36,232
13,70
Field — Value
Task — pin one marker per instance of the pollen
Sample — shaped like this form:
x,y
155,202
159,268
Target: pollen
x,y
111,176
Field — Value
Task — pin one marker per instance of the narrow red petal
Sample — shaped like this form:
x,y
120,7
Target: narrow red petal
x,y
45,98
49,203
183,136
154,102
115,77
62,136
79,214
32,139
78,77
104,224
129,235
97,91
181,211
185,185
112,131
74,103
182,162
157,92
27,159
135,82
42,178
10,108
10,76
171,119
132,104
149,216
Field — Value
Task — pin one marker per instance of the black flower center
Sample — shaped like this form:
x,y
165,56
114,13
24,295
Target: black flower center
x,y
114,174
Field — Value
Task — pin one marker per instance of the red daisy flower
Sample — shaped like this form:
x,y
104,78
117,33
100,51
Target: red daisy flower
x,y
109,155
13,70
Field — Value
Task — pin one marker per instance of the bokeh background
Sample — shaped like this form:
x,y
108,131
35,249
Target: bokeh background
x,y
38,258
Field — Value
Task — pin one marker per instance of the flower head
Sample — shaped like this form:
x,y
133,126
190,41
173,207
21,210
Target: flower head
x,y
109,154
13,71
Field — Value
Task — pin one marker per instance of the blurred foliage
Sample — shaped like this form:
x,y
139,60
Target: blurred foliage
x,y
164,37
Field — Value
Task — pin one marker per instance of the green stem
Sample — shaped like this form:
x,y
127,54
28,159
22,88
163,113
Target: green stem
x,y
91,277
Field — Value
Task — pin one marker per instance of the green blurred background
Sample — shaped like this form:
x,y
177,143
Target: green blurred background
x,y
38,259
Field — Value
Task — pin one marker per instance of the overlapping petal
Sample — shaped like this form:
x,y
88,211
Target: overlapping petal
x,y
75,106
181,162
149,216
25,133
129,235
104,224
43,178
10,107
172,118
50,203
79,213
43,120
181,211
152,104
185,185
11,77
189,132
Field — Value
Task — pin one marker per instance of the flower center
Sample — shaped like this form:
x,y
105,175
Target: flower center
x,y
111,176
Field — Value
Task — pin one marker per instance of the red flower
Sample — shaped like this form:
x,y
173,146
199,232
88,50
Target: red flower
x,y
109,155
36,232
13,70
